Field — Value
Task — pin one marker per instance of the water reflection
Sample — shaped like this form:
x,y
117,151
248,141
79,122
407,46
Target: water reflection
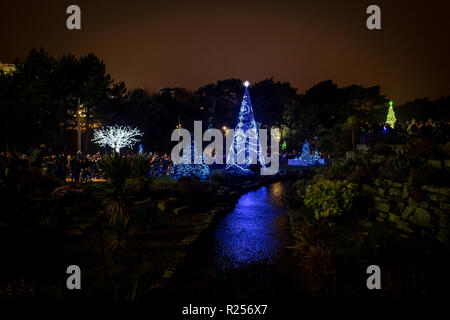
x,y
250,233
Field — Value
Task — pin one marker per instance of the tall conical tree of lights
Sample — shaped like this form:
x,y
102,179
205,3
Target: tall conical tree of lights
x,y
240,144
391,115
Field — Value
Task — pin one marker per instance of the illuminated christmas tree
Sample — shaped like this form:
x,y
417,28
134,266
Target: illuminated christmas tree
x,y
306,158
188,167
316,155
306,153
391,115
241,146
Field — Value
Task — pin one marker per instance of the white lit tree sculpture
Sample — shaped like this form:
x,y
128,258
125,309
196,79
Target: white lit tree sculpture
x,y
116,137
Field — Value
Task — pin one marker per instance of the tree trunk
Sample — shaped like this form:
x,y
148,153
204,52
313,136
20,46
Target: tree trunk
x,y
353,140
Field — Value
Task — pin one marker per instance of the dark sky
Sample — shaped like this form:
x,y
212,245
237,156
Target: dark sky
x,y
156,44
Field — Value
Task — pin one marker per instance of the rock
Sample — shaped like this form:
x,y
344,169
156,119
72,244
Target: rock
x,y
407,212
437,212
366,224
413,203
172,203
445,206
447,163
393,218
378,159
162,205
404,226
442,223
400,206
405,193
168,274
395,192
75,232
443,236
421,218
181,210
435,163
430,188
381,217
382,206
437,197
349,155
442,191
368,189
362,147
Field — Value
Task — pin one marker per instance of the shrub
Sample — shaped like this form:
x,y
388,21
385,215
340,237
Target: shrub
x,y
300,187
117,169
114,211
360,175
116,217
140,165
399,167
137,186
330,198
339,171
382,149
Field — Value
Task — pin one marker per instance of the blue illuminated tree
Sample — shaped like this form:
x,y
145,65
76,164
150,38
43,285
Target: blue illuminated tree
x,y
306,153
188,167
316,157
250,145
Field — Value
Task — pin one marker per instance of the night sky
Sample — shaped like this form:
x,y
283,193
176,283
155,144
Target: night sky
x,y
157,44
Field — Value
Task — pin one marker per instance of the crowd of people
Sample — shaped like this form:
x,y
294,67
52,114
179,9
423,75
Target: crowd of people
x,y
404,133
73,167
76,167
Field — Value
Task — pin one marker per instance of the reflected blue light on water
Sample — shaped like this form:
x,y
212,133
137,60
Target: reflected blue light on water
x,y
250,232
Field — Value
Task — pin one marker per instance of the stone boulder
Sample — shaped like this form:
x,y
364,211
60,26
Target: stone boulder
x,y
181,210
421,218
382,206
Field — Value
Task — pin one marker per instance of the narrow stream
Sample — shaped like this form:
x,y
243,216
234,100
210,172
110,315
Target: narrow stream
x,y
246,257
253,232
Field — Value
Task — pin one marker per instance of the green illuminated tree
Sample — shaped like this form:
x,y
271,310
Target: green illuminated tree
x,y
391,115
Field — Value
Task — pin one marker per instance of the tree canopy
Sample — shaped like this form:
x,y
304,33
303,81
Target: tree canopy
x,y
39,104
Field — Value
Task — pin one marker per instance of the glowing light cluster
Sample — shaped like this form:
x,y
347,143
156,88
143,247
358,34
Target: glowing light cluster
x,y
116,137
306,158
306,153
188,167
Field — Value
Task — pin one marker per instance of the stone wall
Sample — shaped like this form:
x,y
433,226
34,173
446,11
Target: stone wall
x,y
394,203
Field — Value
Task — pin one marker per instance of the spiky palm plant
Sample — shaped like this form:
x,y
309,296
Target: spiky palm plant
x,y
117,169
141,165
